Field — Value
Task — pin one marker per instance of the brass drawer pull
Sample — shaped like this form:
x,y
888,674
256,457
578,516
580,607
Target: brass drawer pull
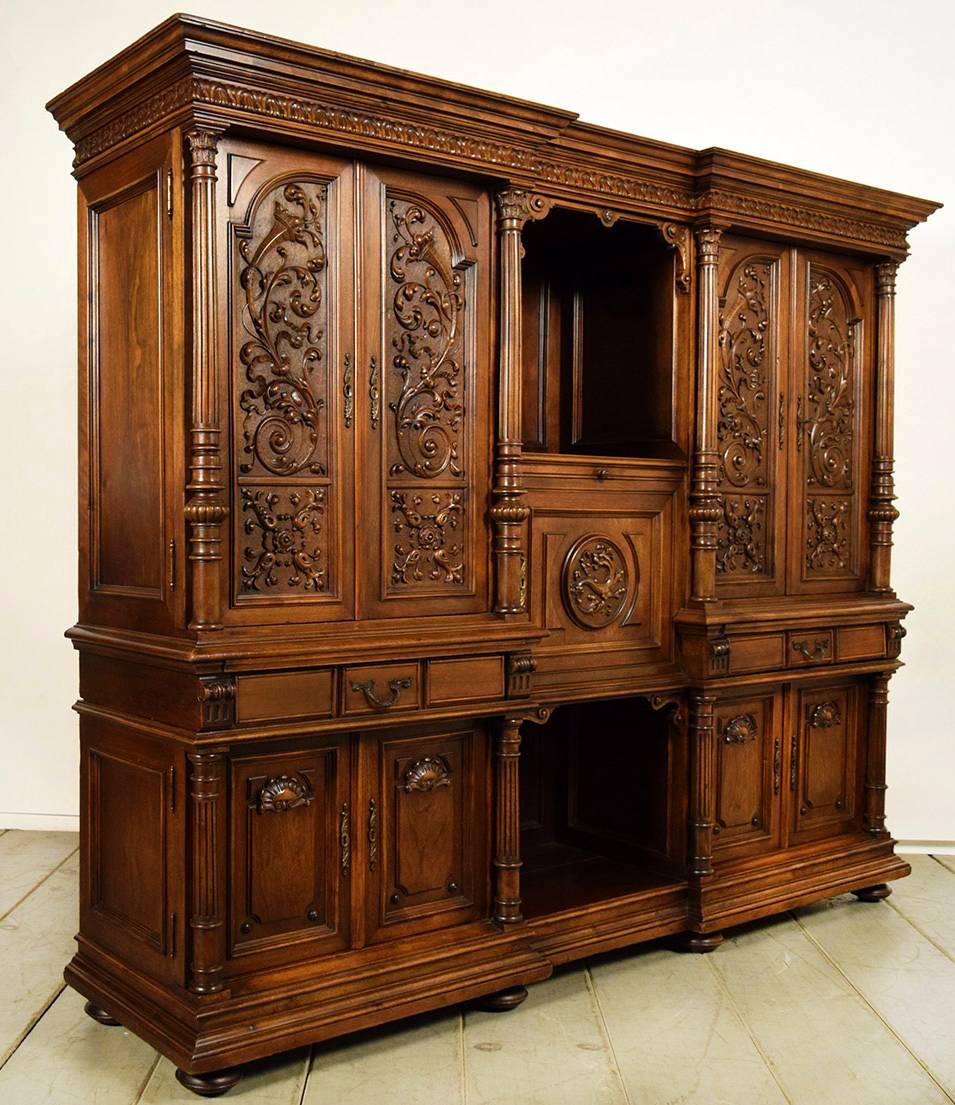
x,y
818,651
284,792
395,686
602,474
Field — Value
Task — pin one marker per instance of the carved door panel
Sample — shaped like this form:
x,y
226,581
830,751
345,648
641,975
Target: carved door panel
x,y
424,812
422,394
288,240
749,735
825,769
830,446
131,471
291,854
751,426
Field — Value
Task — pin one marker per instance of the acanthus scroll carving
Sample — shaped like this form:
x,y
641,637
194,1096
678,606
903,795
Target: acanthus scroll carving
x,y
426,549
741,538
827,536
427,342
829,422
283,282
596,582
515,207
285,525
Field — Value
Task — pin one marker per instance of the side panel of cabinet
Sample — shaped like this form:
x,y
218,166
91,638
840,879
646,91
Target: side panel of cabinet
x,y
825,765
423,394
290,852
829,452
751,428
425,847
131,343
748,775
287,308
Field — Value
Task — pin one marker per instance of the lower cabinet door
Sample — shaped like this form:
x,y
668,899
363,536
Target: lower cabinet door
x,y
425,797
748,775
291,854
825,767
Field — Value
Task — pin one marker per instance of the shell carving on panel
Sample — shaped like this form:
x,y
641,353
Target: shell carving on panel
x,y
596,582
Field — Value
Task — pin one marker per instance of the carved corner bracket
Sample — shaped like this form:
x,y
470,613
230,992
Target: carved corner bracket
x,y
217,700
520,668
894,633
720,655
677,236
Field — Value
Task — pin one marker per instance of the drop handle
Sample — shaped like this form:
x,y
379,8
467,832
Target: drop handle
x,y
395,687
817,651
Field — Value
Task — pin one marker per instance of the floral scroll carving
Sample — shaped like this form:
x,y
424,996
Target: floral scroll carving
x,y
596,582
829,422
425,327
741,538
284,318
827,535
427,548
282,527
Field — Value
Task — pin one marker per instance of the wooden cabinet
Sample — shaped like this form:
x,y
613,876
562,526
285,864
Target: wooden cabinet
x,y
413,416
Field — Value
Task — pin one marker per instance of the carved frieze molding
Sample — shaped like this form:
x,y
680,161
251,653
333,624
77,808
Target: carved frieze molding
x,y
528,161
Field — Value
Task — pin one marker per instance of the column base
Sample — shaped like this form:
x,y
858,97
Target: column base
x,y
503,1001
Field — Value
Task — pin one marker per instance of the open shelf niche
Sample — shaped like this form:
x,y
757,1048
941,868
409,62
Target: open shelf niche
x,y
600,818
597,336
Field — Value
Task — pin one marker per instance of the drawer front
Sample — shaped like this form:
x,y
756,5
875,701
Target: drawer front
x,y
860,642
474,679
808,648
382,689
290,695
761,652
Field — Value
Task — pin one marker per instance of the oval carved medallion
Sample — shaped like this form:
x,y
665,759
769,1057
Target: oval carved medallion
x,y
596,582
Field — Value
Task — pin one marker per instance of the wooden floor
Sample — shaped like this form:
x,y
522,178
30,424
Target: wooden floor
x,y
838,1004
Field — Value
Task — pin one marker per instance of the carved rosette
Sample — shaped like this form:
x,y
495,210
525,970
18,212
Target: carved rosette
x,y
596,582
427,547
282,529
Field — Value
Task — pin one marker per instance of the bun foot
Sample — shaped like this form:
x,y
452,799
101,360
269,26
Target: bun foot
x,y
99,1015
699,942
503,1000
873,893
209,1085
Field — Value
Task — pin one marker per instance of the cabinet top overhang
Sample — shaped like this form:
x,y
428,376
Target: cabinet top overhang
x,y
190,71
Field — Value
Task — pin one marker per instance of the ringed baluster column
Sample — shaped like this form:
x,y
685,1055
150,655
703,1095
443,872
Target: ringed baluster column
x,y
874,815
882,512
702,816
706,505
507,822
508,514
207,793
206,508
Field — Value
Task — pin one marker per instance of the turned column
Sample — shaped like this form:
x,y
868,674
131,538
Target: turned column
x,y
702,783
207,795
206,509
882,512
508,513
874,816
706,507
507,822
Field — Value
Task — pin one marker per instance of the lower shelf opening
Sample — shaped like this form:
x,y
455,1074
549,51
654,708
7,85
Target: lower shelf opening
x,y
598,816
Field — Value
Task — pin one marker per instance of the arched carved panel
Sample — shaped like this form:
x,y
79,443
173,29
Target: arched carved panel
x,y
596,583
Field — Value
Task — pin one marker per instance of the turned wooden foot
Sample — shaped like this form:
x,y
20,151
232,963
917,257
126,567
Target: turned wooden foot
x,y
699,942
209,1085
503,1000
98,1014
873,893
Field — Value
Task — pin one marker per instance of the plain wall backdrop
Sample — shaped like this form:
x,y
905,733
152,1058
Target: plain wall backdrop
x,y
864,91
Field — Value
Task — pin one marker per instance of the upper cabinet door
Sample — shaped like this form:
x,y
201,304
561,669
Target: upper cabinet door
x,y
830,448
422,394
288,282
751,427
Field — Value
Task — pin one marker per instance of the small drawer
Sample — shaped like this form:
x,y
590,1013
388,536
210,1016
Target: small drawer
x,y
471,680
809,647
860,642
298,694
382,688
757,653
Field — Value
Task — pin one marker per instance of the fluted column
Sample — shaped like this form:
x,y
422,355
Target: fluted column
x,y
702,783
508,513
875,788
207,879
206,508
706,508
882,512
507,822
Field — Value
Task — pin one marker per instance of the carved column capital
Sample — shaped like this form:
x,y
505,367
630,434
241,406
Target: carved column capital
x,y
707,244
515,207
885,274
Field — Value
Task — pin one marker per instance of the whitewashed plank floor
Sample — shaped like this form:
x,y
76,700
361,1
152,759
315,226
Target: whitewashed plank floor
x,y
843,1003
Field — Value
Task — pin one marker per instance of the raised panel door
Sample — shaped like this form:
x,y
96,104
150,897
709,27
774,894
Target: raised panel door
x,y
291,855
422,394
425,846
829,451
825,777
754,314
288,283
748,774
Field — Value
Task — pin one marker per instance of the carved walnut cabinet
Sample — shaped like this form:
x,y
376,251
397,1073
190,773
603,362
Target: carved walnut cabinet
x,y
485,536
